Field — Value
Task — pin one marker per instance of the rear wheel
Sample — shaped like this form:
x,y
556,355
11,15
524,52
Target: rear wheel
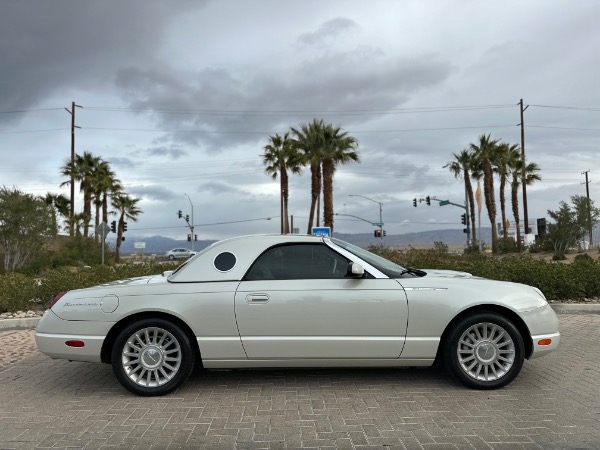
x,y
484,351
152,357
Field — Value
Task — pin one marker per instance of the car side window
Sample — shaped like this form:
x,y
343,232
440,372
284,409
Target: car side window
x,y
298,262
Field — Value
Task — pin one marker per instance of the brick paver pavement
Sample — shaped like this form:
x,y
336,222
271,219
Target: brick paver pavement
x,y
554,403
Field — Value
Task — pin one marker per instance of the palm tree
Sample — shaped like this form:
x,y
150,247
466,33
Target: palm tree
x,y
516,173
82,170
60,205
126,208
309,140
75,223
484,153
279,157
104,184
338,148
502,161
460,167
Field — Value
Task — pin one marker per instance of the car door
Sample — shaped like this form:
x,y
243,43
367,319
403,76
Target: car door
x,y
296,302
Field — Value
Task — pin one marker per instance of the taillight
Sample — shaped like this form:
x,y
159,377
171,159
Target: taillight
x,y
57,298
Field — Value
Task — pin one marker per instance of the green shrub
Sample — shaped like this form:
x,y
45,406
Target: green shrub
x,y
20,291
558,281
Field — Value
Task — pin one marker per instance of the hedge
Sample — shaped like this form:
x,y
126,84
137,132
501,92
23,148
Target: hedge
x,y
558,281
24,292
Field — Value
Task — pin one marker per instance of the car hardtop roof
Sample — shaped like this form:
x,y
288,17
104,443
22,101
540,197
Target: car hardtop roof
x,y
274,238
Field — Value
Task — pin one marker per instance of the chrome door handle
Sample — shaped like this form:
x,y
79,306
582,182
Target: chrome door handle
x,y
257,298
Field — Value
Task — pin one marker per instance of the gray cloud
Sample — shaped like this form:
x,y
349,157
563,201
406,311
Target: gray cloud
x,y
329,29
47,46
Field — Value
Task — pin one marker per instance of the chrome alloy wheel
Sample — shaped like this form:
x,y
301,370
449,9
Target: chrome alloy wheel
x,y
486,351
151,357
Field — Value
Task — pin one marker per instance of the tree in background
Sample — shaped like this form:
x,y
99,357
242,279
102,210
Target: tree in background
x,y
484,153
60,207
82,171
570,224
460,167
281,156
515,172
308,138
26,224
126,208
104,184
338,148
503,160
324,147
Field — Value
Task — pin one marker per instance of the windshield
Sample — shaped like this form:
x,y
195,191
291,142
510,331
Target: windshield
x,y
385,266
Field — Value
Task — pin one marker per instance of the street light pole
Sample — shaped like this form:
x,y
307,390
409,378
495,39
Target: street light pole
x,y
191,225
380,214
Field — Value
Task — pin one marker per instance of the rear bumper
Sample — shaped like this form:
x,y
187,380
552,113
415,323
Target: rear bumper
x,y
53,333
54,345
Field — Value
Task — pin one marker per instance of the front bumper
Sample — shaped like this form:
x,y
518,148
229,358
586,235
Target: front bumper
x,y
541,350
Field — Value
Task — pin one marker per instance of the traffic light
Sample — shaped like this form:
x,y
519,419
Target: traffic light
x,y
113,226
179,215
124,226
428,200
463,219
384,233
377,233
189,237
195,237
187,218
465,230
415,202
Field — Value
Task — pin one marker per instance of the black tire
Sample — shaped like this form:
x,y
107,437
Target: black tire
x,y
152,357
171,257
484,351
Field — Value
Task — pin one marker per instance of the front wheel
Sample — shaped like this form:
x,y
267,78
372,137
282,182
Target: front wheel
x,y
152,357
484,351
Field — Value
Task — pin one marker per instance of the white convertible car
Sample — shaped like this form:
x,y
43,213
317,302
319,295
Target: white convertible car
x,y
299,301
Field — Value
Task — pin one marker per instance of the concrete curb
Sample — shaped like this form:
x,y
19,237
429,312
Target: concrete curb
x,y
18,324
559,308
576,308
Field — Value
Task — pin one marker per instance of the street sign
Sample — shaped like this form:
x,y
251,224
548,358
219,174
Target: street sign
x,y
321,231
377,224
103,229
444,202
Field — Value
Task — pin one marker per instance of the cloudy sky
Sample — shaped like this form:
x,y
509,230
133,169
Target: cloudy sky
x,y
181,97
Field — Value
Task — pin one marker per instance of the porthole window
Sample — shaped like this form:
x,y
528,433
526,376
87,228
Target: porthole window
x,y
224,262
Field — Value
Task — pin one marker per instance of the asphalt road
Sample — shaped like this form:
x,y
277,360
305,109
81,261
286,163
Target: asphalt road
x,y
554,403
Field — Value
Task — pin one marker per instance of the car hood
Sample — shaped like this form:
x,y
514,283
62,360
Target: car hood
x,y
447,273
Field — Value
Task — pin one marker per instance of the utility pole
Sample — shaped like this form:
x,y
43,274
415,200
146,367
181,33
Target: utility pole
x,y
523,174
587,191
73,126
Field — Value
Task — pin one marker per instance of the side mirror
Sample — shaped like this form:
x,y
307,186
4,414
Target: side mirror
x,y
355,270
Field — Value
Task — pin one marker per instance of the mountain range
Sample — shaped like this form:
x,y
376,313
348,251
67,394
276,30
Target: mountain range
x,y
452,237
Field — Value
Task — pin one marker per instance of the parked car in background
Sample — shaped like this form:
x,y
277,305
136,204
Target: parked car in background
x,y
299,301
177,253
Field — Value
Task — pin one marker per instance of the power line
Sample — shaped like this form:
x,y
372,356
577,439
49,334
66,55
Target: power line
x,y
574,108
562,128
29,110
377,111
34,131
